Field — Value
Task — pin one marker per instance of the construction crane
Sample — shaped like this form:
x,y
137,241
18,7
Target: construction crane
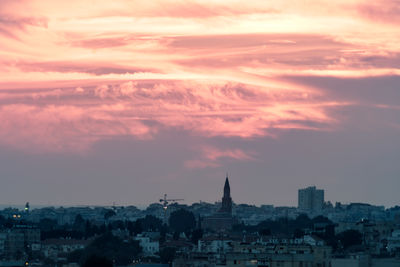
x,y
165,202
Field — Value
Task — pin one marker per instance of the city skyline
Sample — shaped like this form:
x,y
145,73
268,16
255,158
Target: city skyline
x,y
302,204
124,101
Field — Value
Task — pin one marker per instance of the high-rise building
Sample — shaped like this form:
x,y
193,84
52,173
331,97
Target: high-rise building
x,y
311,199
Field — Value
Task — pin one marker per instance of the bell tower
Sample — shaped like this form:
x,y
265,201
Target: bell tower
x,y
226,199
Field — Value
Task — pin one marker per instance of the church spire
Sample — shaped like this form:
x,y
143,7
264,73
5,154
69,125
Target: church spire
x,y
227,188
226,199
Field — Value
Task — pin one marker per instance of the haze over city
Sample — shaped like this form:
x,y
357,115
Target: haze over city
x,y
123,101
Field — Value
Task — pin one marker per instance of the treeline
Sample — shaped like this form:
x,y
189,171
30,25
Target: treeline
x,y
107,247
184,221
290,227
84,229
319,226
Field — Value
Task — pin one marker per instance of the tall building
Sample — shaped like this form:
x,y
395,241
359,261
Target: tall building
x,y
221,220
226,199
311,199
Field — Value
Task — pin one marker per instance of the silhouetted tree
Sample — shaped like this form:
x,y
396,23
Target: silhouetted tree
x,y
350,238
302,221
103,228
109,214
150,223
112,247
118,225
75,256
298,233
196,235
167,255
134,228
97,261
163,233
2,221
47,224
91,229
182,221
79,223
264,231
175,235
321,219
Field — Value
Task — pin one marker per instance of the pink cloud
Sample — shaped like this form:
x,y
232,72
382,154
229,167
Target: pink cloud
x,y
86,114
210,157
62,127
129,68
200,164
9,24
96,68
387,11
213,154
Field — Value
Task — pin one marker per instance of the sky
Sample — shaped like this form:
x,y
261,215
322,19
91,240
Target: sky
x,y
123,101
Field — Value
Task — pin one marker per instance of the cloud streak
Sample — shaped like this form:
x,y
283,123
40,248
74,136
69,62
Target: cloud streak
x,y
66,117
282,94
209,68
387,11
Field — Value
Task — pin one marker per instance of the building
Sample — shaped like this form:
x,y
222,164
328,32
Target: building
x,y
150,247
226,199
394,241
364,260
21,239
279,253
3,238
56,248
311,199
221,220
269,260
14,245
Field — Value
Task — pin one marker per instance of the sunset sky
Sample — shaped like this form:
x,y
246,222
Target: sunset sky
x,y
123,101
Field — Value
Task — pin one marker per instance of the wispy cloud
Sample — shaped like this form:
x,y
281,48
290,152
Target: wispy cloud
x,y
11,24
387,11
65,116
211,157
210,68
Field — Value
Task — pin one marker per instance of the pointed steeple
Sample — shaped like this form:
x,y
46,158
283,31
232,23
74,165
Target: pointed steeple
x,y
227,188
226,199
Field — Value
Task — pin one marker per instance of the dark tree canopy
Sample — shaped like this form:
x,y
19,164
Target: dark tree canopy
x,y
264,231
350,238
109,214
283,225
97,261
302,221
321,219
167,255
135,227
47,224
298,233
79,223
112,247
196,235
182,221
150,223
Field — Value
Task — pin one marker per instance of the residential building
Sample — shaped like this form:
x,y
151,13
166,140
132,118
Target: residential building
x,y
311,199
